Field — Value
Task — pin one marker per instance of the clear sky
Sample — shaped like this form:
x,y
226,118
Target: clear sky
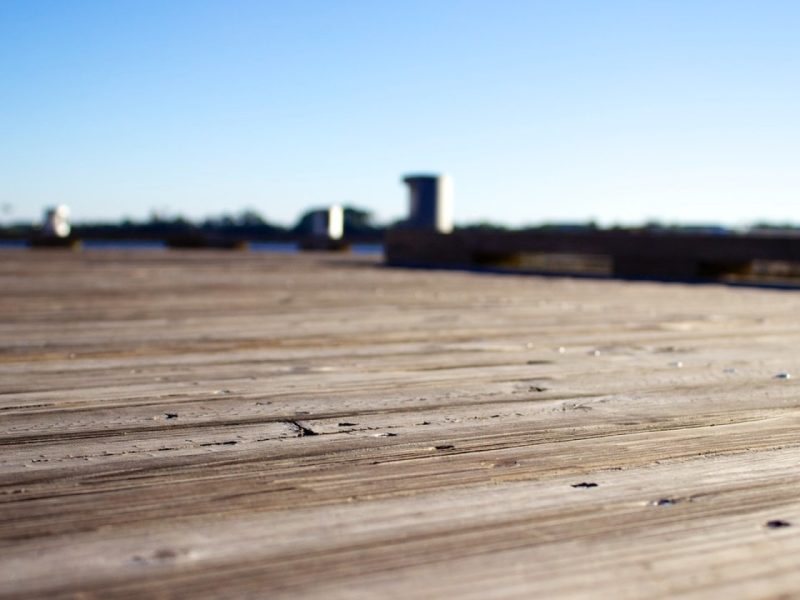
x,y
620,111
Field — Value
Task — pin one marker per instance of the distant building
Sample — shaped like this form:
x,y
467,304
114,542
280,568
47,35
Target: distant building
x,y
56,222
430,202
328,223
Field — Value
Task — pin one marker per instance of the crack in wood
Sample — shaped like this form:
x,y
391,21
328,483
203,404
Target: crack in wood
x,y
300,429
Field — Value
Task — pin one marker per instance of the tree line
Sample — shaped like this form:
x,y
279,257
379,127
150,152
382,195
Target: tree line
x,y
247,224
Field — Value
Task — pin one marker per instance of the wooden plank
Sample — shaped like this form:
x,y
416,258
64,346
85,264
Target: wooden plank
x,y
207,424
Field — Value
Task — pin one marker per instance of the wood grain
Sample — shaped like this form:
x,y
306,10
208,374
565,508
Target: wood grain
x,y
212,425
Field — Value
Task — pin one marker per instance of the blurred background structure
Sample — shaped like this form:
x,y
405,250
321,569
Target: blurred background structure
x,y
56,222
430,202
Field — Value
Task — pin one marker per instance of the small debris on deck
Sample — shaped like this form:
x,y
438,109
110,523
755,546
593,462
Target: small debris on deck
x,y
777,524
664,502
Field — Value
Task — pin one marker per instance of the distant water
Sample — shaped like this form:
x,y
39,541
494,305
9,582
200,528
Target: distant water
x,y
367,248
9,244
272,247
276,247
122,245
94,245
293,248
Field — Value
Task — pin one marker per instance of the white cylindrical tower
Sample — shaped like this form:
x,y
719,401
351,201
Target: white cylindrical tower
x,y
56,222
430,202
328,223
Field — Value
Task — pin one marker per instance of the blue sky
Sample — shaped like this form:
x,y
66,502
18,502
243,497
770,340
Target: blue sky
x,y
619,111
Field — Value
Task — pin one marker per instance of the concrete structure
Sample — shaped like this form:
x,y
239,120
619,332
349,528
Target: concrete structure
x,y
430,202
328,223
664,255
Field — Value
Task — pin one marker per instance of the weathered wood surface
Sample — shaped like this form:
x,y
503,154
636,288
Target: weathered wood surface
x,y
152,406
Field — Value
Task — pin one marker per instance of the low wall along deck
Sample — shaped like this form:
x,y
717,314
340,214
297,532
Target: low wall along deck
x,y
644,254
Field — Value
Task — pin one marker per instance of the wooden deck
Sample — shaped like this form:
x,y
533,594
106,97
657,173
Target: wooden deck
x,y
216,425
